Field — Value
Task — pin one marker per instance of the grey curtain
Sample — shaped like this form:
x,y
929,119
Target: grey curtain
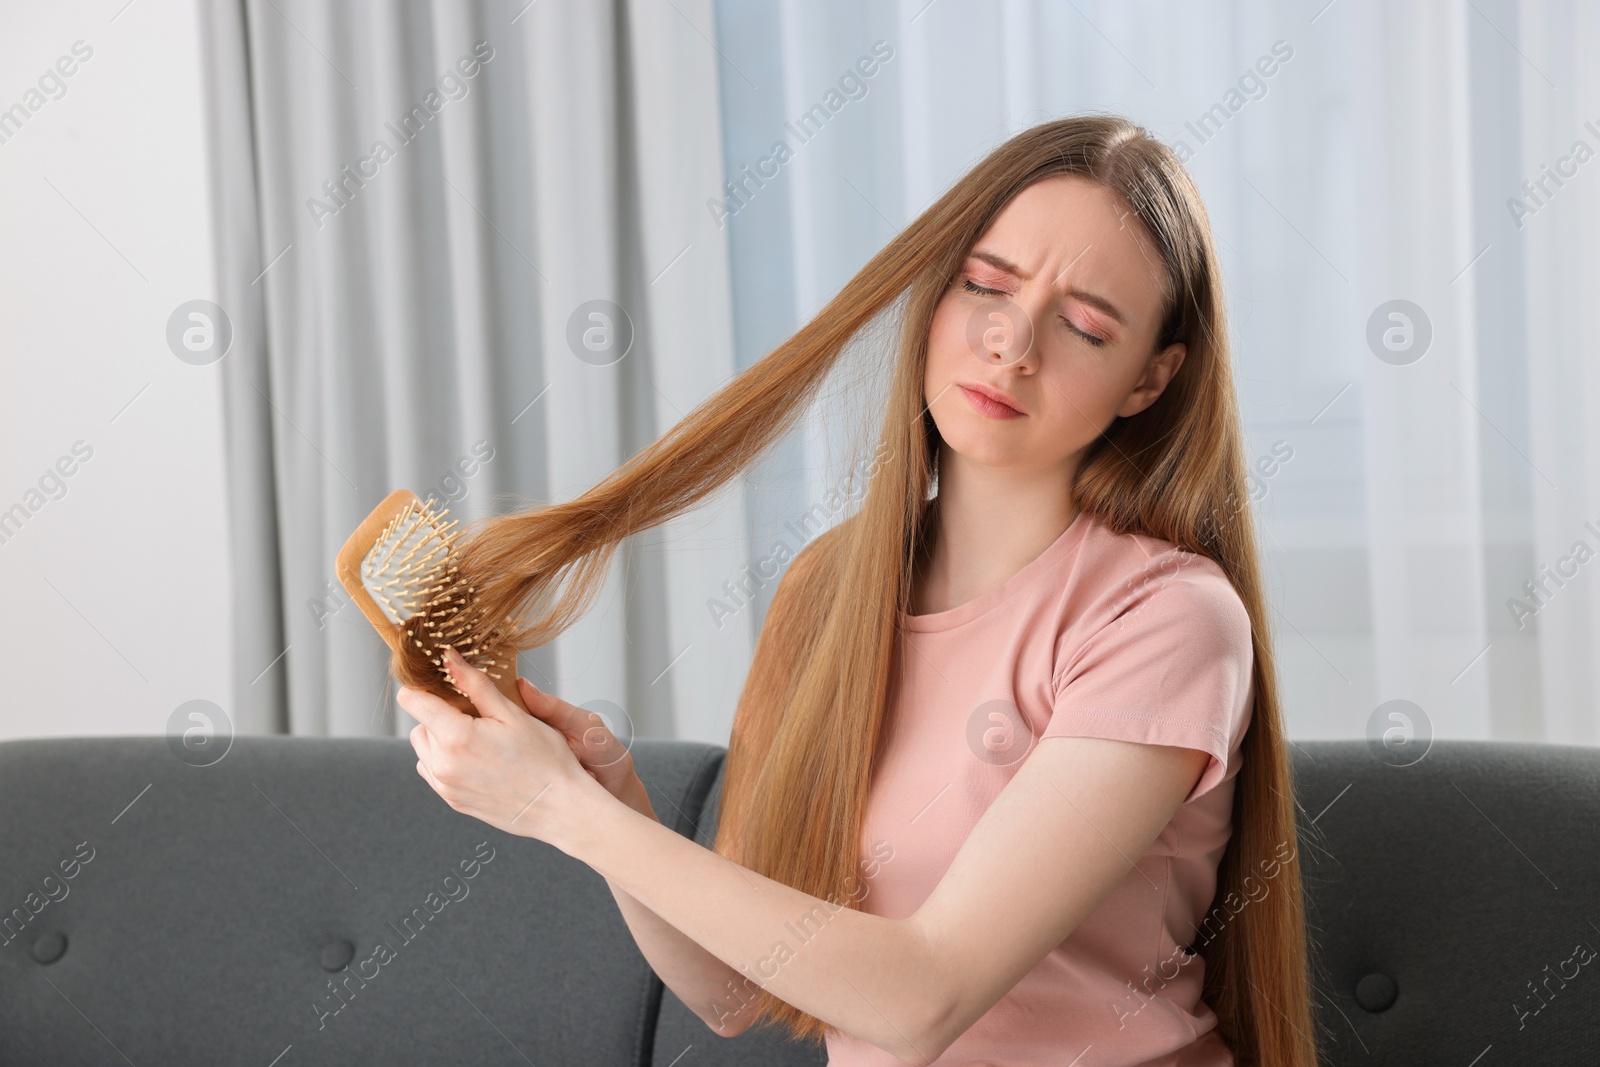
x,y
464,250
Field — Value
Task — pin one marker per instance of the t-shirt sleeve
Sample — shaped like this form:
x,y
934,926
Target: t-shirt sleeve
x,y
1171,666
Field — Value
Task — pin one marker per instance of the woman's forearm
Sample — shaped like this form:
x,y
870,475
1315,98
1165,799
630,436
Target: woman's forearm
x,y
710,988
869,976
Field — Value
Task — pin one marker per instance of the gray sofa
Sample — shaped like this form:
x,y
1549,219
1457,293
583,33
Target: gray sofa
x,y
162,913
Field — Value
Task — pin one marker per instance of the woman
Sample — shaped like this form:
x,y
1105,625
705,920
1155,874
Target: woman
x,y
1007,780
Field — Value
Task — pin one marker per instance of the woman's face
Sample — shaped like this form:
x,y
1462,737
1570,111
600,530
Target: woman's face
x,y
1056,310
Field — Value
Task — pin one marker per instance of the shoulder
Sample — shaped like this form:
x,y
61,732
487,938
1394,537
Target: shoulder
x,y
814,562
1135,581
1165,644
807,583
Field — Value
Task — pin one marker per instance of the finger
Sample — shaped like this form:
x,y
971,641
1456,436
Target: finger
x,y
427,776
480,689
531,697
586,732
444,723
421,743
546,707
601,747
536,704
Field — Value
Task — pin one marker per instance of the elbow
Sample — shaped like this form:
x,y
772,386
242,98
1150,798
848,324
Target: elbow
x,y
921,1043
921,1054
909,1023
926,1050
728,1026
927,1045
726,1020
930,1036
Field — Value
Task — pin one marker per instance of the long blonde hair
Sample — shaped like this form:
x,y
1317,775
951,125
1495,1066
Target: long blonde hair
x,y
810,719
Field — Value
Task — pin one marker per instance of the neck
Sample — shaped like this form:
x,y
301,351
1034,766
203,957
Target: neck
x,y
988,523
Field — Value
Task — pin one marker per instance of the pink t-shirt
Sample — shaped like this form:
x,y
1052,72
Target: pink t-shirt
x,y
1104,635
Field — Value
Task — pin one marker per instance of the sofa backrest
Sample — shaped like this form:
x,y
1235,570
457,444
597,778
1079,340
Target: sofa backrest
x,y
309,900
1445,899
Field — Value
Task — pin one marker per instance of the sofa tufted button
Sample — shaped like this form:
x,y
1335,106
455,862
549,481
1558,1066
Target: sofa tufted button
x,y
338,955
1376,992
49,947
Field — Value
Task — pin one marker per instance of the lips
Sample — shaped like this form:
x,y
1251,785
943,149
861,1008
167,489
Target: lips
x,y
991,401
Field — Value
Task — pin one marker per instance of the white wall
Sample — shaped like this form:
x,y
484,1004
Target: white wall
x,y
116,590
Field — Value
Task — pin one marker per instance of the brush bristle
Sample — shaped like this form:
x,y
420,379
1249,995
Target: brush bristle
x,y
411,574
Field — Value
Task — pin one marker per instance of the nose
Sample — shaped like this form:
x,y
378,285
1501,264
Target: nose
x,y
1002,334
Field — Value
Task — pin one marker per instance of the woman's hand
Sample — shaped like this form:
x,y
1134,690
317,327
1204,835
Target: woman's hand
x,y
607,760
504,767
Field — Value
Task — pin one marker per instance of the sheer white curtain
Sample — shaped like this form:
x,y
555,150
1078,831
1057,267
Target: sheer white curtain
x,y
1353,155
1560,119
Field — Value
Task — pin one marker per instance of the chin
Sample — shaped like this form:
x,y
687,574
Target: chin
x,y
985,450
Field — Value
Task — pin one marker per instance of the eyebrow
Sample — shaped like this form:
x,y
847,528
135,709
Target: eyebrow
x,y
1092,299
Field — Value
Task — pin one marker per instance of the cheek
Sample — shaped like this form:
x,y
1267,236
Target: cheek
x,y
1085,395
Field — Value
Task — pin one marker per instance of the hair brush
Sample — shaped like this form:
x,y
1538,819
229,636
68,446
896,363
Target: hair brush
x,y
400,567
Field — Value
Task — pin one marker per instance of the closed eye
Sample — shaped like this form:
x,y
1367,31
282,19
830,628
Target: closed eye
x,y
973,287
1091,338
